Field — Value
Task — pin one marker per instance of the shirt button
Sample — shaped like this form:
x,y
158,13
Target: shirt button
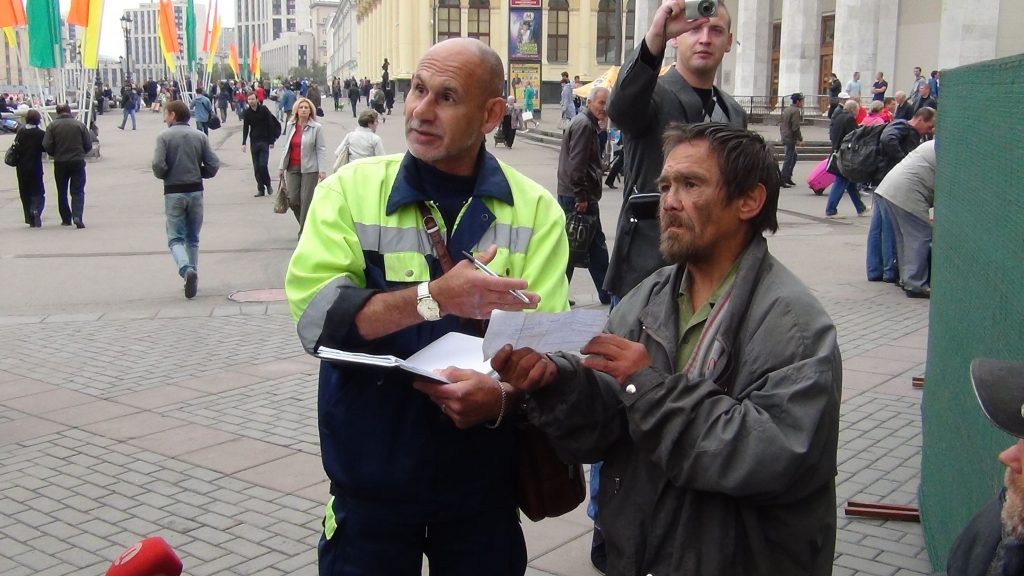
x,y
630,389
408,273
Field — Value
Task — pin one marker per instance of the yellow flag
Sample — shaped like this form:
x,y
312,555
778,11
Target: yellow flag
x,y
91,44
9,32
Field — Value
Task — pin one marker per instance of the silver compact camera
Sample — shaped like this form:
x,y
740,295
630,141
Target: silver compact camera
x,y
700,8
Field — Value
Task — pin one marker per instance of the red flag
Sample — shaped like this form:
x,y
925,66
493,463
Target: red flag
x,y
12,13
206,29
253,57
79,13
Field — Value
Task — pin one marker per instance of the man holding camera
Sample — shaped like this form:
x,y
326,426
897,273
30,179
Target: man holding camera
x,y
643,104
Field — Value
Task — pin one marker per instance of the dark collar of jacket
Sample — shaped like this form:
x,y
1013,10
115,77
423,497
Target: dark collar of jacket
x,y
691,102
661,315
490,181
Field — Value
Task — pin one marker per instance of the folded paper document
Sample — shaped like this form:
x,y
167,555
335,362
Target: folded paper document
x,y
452,349
543,331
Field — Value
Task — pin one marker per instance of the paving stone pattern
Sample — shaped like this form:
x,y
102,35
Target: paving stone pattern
x,y
202,429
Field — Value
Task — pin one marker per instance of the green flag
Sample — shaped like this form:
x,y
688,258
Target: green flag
x,y
190,34
44,46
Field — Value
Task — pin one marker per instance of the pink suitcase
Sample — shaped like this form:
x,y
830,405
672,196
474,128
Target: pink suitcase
x,y
819,179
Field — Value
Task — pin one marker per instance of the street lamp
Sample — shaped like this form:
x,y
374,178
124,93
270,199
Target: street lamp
x,y
126,22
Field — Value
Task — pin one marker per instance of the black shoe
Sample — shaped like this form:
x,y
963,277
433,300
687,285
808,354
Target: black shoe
x,y
258,194
598,555
191,283
37,219
790,182
78,223
65,223
917,294
609,185
572,302
787,185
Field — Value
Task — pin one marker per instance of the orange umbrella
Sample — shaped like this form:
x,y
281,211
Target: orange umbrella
x,y
607,80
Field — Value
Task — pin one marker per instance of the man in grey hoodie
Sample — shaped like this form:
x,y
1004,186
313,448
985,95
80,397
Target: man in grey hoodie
x,y
183,158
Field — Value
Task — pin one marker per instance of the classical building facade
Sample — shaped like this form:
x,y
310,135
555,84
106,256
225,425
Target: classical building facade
x,y
781,46
290,50
342,31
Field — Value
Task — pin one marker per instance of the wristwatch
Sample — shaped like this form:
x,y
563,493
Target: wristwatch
x,y
425,303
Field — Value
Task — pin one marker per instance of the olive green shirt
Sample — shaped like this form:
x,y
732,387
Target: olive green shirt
x,y
691,323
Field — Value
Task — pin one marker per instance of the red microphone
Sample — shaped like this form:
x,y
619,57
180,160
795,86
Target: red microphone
x,y
151,557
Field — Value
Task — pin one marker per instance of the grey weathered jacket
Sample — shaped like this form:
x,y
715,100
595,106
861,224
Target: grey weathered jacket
x,y
67,140
183,158
732,473
313,151
789,127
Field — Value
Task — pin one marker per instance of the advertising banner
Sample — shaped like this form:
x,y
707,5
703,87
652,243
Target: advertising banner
x,y
519,73
524,34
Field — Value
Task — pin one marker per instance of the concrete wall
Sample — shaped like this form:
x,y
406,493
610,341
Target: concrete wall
x,y
917,41
1010,40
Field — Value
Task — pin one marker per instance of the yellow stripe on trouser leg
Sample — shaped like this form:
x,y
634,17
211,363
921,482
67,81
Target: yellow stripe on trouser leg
x,y
330,522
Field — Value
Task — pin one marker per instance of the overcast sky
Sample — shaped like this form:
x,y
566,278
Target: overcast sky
x,y
111,36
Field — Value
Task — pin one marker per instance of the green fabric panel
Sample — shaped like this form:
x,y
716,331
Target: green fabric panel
x,y
977,305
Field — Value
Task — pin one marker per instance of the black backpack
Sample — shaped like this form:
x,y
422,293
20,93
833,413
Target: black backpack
x,y
275,128
860,158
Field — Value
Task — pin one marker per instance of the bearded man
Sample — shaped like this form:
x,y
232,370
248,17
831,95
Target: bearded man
x,y
713,397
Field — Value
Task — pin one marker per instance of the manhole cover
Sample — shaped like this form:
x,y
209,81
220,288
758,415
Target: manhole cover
x,y
261,295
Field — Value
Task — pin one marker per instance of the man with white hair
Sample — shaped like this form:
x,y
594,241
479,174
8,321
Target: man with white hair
x,y
579,181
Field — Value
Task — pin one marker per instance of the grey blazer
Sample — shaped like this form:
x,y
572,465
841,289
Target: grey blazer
x,y
642,105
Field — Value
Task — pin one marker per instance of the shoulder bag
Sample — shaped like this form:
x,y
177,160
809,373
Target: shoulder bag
x,y
281,197
546,487
12,157
213,123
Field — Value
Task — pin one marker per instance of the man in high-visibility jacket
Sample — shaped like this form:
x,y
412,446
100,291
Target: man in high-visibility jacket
x,y
420,468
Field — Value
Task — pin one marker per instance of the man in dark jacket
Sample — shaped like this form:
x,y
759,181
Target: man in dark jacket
x,y
925,99
353,96
262,129
67,141
992,544
579,182
183,159
904,107
897,140
843,122
789,128
643,104
713,397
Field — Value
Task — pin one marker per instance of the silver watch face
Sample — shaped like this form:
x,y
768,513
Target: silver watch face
x,y
428,308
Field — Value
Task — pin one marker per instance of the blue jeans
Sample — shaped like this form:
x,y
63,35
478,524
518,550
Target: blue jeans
x,y
598,247
129,111
842,186
881,259
184,221
201,126
790,161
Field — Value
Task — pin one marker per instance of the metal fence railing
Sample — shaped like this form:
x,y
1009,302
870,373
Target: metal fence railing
x,y
766,108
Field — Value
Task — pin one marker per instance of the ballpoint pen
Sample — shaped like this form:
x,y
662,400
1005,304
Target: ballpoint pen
x,y
483,268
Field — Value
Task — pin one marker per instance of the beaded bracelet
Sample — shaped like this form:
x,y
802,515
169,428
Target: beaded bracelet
x,y
501,411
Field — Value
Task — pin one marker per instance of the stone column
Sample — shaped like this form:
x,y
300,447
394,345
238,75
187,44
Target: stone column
x,y
800,53
856,42
968,32
888,23
752,46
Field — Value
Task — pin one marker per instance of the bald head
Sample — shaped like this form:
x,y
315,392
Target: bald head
x,y
489,70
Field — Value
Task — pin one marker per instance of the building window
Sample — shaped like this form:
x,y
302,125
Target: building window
x,y
828,29
480,20
449,24
609,25
558,31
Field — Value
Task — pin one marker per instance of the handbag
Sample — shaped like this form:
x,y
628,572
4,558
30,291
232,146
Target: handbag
x,y
213,123
546,487
342,158
12,157
319,111
833,164
281,197
580,228
527,116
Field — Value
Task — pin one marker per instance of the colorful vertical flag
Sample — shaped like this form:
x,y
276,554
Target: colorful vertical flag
x,y
233,59
91,44
168,34
256,68
79,13
206,28
44,47
253,59
190,34
214,41
11,39
12,14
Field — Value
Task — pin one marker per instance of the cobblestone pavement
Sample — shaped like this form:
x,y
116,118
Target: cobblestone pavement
x,y
126,412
